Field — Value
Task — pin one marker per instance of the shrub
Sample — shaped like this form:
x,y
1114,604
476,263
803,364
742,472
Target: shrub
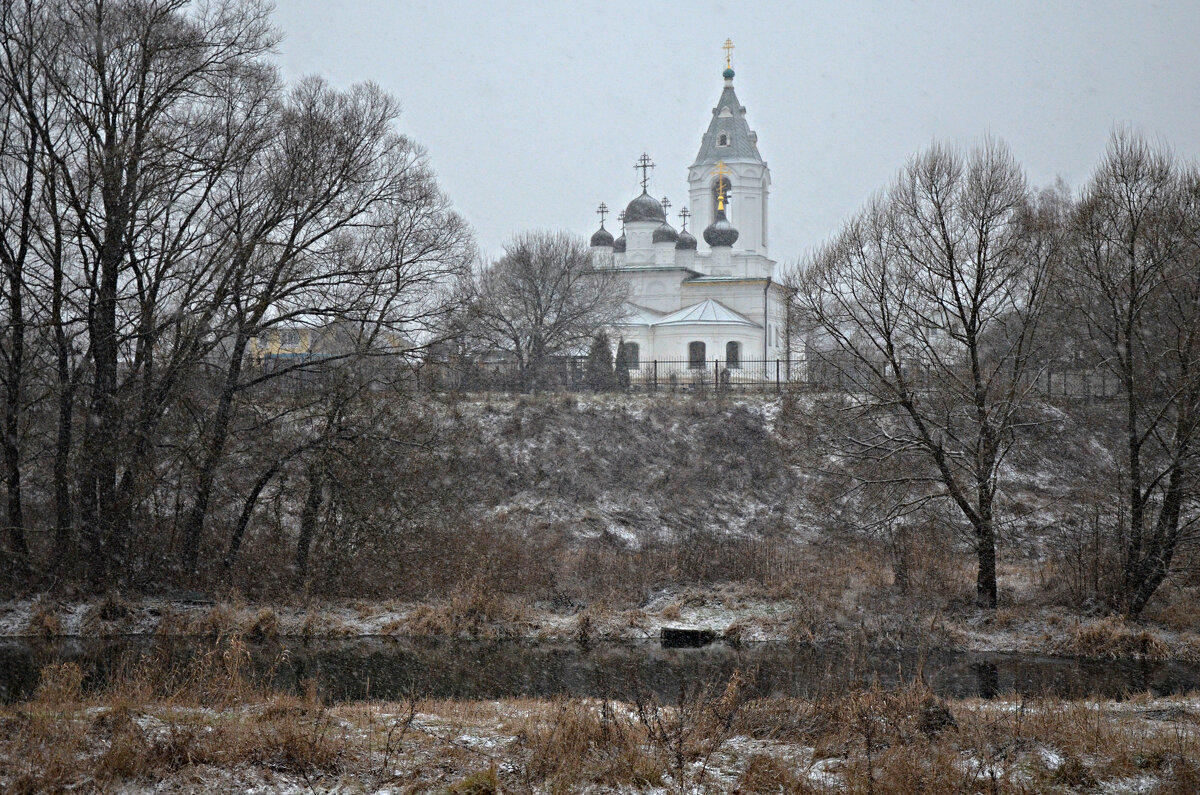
x,y
44,622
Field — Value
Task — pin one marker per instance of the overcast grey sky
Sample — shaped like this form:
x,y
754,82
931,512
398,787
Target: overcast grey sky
x,y
533,113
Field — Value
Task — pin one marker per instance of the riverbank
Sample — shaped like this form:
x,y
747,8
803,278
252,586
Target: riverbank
x,y
734,614
210,728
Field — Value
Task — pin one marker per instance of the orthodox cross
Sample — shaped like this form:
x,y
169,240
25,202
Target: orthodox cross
x,y
644,163
621,218
666,203
728,48
684,215
602,211
720,172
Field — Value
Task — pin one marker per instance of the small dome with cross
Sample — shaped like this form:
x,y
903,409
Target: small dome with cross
x,y
665,234
720,232
602,237
644,208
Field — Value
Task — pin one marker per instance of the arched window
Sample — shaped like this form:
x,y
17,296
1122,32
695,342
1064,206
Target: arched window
x,y
733,355
696,355
631,355
716,190
722,140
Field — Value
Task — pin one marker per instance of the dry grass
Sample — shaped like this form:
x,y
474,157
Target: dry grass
x,y
1112,638
43,621
167,725
475,611
579,742
264,624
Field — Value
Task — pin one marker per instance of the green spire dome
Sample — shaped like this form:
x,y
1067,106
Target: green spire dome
x,y
727,74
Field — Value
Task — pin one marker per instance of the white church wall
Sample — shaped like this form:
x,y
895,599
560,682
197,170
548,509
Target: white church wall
x,y
671,343
639,245
745,298
748,183
656,289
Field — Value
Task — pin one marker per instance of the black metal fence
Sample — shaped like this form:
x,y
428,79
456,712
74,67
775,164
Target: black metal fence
x,y
658,375
712,376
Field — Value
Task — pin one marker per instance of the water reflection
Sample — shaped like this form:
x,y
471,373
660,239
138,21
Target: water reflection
x,y
388,668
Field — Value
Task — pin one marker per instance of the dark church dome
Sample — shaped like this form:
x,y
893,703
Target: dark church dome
x,y
644,208
619,245
665,234
720,232
602,237
686,241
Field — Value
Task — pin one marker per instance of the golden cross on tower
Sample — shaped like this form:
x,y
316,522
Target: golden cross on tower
x,y
728,47
720,172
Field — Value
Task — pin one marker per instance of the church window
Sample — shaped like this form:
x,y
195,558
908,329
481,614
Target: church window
x,y
289,338
722,140
631,355
733,355
696,355
716,190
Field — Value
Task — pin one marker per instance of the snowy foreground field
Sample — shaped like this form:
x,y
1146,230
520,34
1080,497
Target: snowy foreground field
x,y
210,729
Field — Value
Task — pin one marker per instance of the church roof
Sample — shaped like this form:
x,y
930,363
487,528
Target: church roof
x,y
707,312
602,237
720,232
729,118
636,315
644,208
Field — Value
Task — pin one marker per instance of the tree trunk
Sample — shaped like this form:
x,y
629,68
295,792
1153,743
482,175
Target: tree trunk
x,y
194,526
63,518
101,438
985,549
308,524
235,542
15,513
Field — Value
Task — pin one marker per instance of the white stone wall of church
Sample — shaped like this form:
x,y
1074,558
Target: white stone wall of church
x,y
749,184
745,298
639,243
671,343
655,289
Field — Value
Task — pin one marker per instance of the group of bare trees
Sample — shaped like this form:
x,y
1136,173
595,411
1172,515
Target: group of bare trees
x,y
167,204
543,298
941,302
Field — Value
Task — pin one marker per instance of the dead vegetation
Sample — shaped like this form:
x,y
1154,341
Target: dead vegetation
x,y
210,720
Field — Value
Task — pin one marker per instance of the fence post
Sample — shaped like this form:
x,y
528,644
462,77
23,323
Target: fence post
x,y
716,376
778,386
655,375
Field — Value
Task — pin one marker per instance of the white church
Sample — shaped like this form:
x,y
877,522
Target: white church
x,y
692,301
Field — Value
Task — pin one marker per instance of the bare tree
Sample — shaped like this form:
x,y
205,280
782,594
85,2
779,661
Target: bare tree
x,y
20,188
1135,263
543,298
166,202
336,221
134,137
927,306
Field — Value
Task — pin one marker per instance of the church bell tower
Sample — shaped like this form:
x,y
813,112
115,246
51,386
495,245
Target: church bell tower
x,y
745,176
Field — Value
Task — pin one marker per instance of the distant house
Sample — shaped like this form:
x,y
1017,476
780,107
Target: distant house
x,y
303,349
